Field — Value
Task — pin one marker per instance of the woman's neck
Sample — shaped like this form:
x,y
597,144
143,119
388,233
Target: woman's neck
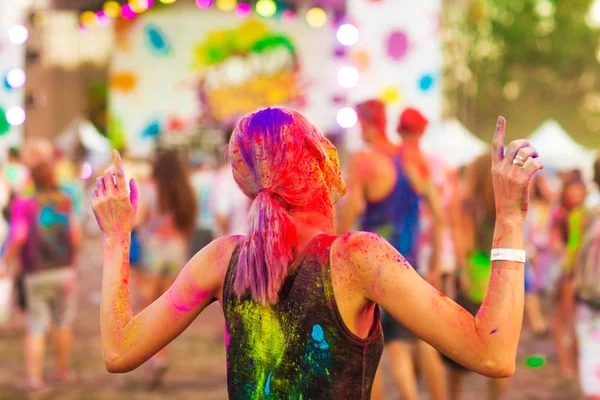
x,y
309,224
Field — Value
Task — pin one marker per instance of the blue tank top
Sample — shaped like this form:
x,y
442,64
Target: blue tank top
x,y
396,218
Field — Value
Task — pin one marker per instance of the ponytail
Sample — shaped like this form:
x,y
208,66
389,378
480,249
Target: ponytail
x,y
267,251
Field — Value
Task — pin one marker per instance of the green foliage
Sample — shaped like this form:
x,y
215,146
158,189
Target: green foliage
x,y
532,59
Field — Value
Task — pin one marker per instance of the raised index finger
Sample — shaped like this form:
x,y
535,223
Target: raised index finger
x,y
118,171
498,142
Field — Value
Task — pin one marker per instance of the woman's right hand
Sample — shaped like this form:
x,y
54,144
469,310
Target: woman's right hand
x,y
114,206
511,174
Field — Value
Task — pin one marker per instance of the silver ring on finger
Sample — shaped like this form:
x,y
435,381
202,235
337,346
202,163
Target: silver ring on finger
x,y
519,161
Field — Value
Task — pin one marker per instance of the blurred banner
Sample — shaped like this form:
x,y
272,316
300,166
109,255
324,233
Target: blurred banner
x,y
399,57
176,67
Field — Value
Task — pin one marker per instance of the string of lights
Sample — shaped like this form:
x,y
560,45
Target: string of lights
x,y
15,79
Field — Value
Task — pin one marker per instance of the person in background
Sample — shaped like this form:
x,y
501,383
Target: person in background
x,y
69,180
567,227
538,234
141,171
448,185
586,293
385,185
478,224
203,181
5,193
230,207
170,209
45,235
16,173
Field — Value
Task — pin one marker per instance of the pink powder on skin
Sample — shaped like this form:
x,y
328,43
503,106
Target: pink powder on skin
x,y
188,305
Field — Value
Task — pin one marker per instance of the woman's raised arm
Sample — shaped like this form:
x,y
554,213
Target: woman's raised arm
x,y
127,340
486,343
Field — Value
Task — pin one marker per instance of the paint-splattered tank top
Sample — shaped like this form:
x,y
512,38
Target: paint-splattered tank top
x,y
298,348
396,217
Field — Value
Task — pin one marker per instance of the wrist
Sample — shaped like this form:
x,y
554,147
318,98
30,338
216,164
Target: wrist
x,y
116,237
510,220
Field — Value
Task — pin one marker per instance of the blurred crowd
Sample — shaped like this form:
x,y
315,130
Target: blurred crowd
x,y
186,203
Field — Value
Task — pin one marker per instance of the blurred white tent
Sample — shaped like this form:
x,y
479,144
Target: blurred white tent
x,y
559,151
454,143
81,132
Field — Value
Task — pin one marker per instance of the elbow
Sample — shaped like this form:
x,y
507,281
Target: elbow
x,y
114,364
499,368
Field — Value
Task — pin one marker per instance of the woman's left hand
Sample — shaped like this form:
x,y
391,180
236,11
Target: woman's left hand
x,y
114,206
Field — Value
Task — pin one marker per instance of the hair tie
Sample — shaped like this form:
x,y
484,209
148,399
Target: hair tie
x,y
265,190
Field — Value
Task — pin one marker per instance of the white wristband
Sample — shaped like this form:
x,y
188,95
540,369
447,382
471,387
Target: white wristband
x,y
509,255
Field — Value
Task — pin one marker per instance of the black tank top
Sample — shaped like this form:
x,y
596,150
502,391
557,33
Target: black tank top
x,y
298,348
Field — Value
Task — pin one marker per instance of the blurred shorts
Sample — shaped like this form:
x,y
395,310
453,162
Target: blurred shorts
x,y
164,257
51,298
473,308
587,327
394,330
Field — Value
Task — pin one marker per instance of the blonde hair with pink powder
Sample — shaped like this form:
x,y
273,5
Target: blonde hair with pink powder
x,y
283,163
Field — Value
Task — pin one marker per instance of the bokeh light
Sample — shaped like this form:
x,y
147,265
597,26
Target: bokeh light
x,y
140,6
347,77
167,1
226,5
204,3
15,116
288,16
112,8
347,117
347,34
102,18
16,78
18,34
593,18
87,18
128,12
243,10
316,17
86,171
266,8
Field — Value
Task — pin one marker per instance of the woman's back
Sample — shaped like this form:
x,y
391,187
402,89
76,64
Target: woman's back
x,y
298,347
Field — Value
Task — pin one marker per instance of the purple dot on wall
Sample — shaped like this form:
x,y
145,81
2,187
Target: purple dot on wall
x,y
340,51
397,45
338,99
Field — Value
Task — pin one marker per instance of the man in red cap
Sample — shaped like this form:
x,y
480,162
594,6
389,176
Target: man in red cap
x,y
386,184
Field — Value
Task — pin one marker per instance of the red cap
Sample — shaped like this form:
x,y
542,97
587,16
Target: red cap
x,y
412,121
372,111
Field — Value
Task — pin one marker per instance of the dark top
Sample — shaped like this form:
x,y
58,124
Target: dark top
x,y
298,348
396,218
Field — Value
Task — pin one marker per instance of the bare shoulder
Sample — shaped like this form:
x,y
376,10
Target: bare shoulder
x,y
210,264
362,250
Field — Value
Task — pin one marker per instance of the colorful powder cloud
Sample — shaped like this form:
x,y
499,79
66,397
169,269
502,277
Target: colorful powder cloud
x,y
251,37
